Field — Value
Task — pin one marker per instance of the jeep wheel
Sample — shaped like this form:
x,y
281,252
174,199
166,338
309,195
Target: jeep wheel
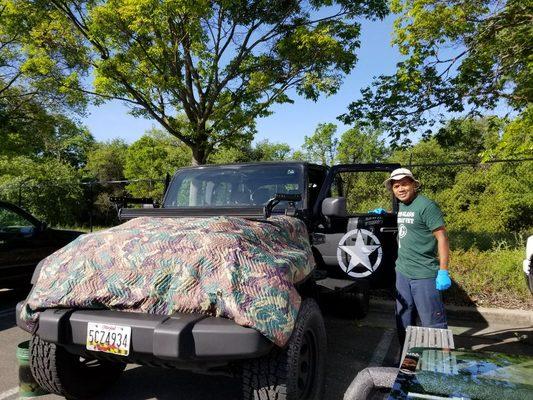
x,y
60,372
295,372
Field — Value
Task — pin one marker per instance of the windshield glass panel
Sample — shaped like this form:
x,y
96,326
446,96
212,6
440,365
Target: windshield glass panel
x,y
242,186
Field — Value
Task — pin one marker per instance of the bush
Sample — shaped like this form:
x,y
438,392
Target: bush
x,y
489,279
48,188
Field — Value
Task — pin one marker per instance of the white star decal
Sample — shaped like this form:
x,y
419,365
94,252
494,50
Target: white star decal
x,y
359,253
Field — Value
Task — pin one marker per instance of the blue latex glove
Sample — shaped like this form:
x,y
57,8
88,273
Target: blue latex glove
x,y
378,211
443,280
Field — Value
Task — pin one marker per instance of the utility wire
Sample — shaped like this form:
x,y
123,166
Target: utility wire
x,y
443,164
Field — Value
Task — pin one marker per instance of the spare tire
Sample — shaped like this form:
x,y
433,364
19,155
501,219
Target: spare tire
x,y
60,372
295,372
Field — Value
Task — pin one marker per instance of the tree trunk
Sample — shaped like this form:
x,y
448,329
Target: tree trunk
x,y
199,156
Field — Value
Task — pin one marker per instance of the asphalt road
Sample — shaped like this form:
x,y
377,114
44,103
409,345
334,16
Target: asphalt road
x,y
352,346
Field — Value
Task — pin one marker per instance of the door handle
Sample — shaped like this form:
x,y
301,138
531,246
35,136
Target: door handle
x,y
388,230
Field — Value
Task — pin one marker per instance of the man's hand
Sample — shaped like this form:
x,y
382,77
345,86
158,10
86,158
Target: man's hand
x,y
443,280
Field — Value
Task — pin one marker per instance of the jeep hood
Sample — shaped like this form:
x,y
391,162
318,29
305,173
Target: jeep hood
x,y
229,267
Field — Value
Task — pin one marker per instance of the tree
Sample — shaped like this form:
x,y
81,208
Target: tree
x,y
460,56
321,147
106,161
517,141
220,63
468,139
233,154
268,151
262,151
150,158
28,129
48,187
24,79
359,145
298,155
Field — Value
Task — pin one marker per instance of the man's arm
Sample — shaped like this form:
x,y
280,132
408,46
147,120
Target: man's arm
x,y
443,246
443,281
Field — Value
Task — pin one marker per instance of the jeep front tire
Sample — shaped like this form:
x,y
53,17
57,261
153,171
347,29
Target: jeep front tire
x,y
60,372
296,372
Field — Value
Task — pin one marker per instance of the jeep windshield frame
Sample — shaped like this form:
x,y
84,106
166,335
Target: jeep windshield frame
x,y
236,186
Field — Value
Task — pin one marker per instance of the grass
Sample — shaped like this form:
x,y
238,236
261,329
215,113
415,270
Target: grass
x,y
486,241
491,278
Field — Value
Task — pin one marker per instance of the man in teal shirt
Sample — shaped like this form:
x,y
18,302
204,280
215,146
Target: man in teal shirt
x,y
420,273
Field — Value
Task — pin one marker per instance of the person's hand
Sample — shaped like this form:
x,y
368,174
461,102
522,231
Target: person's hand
x,y
443,280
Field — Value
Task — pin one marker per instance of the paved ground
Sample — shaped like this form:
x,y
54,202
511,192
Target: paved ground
x,y
353,345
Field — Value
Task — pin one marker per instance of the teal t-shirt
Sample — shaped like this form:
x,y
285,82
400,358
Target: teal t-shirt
x,y
417,247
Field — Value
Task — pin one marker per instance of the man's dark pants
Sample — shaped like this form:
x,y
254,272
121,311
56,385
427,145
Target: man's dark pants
x,y
418,297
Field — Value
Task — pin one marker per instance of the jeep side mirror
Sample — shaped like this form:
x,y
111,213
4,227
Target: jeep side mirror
x,y
42,226
334,207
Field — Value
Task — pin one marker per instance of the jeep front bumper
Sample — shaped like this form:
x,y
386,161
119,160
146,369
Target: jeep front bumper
x,y
155,339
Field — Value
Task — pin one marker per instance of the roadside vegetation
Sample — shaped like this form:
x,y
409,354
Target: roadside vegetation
x,y
491,278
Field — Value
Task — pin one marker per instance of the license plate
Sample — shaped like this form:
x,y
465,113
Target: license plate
x,y
114,339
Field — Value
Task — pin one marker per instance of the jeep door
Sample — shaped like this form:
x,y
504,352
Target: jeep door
x,y
356,242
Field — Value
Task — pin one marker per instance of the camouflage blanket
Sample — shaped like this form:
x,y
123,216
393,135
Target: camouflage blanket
x,y
222,266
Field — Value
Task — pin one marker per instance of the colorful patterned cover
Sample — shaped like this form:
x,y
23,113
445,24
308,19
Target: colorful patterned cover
x,y
230,267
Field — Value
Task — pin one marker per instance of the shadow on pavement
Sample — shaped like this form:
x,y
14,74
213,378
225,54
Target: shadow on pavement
x,y
7,321
350,349
140,382
477,333
471,330
8,300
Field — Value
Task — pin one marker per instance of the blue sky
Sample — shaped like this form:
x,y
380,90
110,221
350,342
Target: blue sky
x,y
289,123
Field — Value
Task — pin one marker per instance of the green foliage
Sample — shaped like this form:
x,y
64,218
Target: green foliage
x,y
489,278
106,160
364,191
228,155
151,158
298,155
27,128
321,147
26,77
517,139
106,163
262,151
492,199
267,151
220,63
49,188
359,145
459,56
470,138
496,197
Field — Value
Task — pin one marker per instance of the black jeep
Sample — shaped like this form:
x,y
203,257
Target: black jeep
x,y
354,250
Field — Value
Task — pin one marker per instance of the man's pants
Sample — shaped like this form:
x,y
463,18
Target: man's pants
x,y
418,296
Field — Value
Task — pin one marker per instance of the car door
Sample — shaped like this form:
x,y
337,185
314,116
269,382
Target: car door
x,y
22,245
357,243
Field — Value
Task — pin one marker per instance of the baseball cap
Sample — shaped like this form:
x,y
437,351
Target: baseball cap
x,y
398,174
